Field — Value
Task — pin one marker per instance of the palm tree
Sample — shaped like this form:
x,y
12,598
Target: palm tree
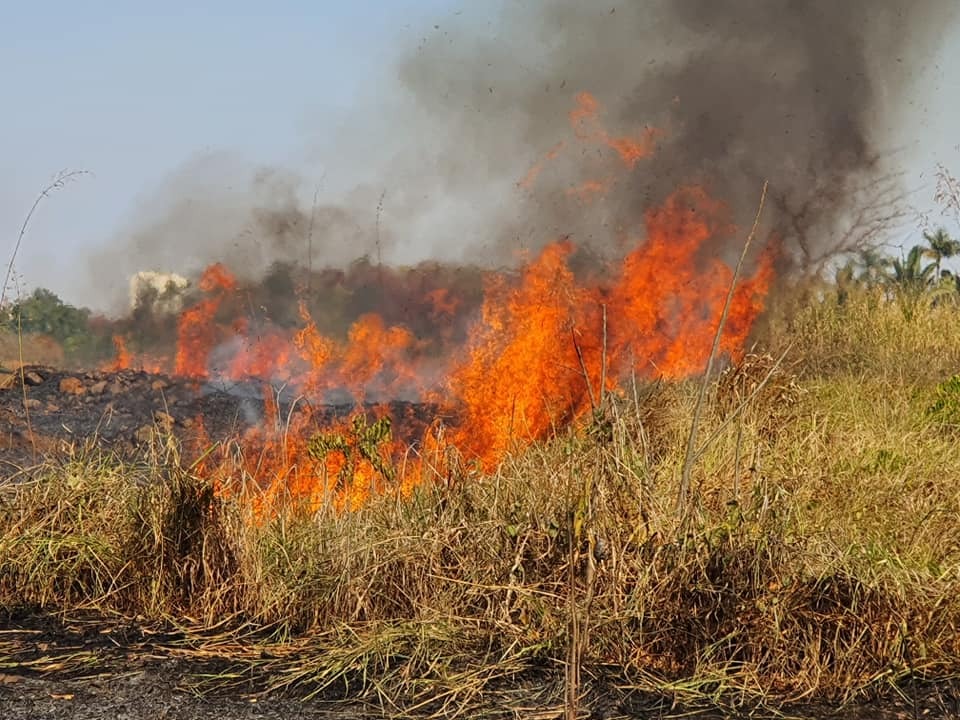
x,y
909,273
942,247
874,266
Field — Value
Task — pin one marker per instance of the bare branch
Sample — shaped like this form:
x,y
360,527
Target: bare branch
x,y
877,206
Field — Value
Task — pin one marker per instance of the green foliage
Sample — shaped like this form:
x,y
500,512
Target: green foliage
x,y
910,273
941,247
363,442
946,406
44,313
907,279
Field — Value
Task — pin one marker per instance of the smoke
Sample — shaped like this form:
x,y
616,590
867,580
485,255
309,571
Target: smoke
x,y
795,92
799,93
216,208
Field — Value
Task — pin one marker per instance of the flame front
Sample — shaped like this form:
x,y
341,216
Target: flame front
x,y
521,376
544,348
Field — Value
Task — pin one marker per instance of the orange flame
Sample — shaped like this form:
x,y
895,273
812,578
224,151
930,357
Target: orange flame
x,y
584,119
124,358
534,361
522,378
195,330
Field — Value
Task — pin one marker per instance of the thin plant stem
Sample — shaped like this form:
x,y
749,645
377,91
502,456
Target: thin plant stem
x,y
690,456
61,179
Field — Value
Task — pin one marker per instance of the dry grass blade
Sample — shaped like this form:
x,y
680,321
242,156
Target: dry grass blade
x,y
689,457
60,180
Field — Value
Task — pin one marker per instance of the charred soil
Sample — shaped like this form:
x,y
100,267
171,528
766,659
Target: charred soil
x,y
48,413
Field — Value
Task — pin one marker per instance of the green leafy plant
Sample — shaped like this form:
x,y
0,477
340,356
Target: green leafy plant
x,y
364,441
946,406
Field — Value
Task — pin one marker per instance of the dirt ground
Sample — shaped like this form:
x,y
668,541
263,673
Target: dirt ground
x,y
146,694
158,688
154,694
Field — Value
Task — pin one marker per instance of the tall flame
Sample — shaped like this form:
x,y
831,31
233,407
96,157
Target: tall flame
x,y
546,345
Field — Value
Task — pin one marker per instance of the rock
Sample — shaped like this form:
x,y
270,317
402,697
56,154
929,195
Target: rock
x,y
144,435
164,420
53,408
98,387
31,403
72,386
32,378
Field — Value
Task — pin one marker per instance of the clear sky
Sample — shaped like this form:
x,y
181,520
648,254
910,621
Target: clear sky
x,y
131,91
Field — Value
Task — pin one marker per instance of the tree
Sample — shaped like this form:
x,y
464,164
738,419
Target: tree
x,y
45,313
910,274
868,268
874,266
942,247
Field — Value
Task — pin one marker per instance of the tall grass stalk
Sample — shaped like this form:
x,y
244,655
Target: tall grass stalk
x,y
690,456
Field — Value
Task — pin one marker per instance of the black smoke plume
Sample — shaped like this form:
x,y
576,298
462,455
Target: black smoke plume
x,y
797,92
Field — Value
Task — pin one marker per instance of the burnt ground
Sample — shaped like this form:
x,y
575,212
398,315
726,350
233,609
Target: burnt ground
x,y
148,692
92,667
47,412
98,668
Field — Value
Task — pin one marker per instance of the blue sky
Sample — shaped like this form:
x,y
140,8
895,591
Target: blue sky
x,y
131,91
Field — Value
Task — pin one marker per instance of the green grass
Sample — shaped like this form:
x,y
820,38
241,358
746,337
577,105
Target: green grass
x,y
821,558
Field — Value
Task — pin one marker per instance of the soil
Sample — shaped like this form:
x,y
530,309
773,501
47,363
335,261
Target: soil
x,y
47,412
155,691
145,693
105,669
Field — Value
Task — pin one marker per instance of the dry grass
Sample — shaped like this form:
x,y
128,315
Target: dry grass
x,y
31,349
822,561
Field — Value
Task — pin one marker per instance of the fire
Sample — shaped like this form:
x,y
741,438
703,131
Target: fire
x,y
671,299
196,336
266,354
584,119
546,346
124,358
530,178
521,377
587,191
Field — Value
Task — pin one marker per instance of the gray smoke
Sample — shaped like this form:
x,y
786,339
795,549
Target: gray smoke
x,y
797,92
217,209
